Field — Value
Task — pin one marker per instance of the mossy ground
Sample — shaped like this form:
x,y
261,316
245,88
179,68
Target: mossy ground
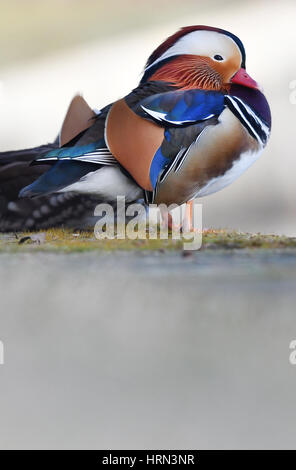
x,y
69,241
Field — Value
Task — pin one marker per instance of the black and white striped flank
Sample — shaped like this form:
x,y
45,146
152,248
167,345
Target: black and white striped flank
x,y
250,120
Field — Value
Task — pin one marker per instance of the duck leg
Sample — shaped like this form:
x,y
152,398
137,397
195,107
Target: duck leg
x,y
187,223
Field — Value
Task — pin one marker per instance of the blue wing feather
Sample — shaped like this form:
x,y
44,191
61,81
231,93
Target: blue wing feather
x,y
158,163
182,108
72,152
61,174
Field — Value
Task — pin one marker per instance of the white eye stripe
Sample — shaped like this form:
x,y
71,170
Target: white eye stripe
x,y
204,43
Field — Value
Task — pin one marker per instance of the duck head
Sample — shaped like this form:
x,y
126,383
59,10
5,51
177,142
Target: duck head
x,y
200,57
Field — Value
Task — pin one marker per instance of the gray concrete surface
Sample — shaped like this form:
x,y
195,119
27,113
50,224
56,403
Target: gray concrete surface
x,y
147,351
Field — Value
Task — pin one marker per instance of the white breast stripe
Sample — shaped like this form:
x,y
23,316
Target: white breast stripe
x,y
244,117
255,116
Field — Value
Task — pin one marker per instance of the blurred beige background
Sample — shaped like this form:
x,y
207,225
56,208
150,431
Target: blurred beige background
x,y
51,50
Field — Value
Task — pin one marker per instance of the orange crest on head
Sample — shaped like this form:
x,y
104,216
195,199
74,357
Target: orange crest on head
x,y
188,72
164,46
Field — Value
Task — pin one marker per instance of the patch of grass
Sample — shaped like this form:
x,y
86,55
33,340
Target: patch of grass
x,y
68,241
239,240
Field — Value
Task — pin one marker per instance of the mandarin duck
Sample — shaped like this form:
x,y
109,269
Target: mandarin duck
x,y
194,124
64,209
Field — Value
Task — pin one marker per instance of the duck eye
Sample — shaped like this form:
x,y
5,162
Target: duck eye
x,y
218,57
